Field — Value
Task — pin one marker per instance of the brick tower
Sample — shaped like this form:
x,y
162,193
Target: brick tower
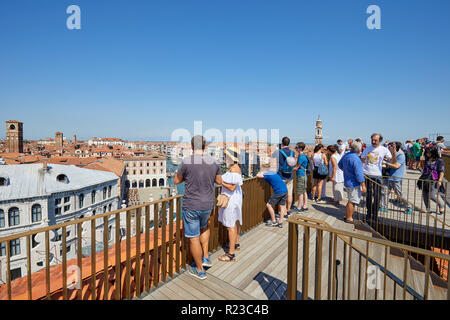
x,y
14,136
59,139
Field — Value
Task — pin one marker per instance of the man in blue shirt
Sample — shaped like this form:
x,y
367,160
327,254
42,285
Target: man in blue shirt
x,y
394,182
354,180
302,178
279,196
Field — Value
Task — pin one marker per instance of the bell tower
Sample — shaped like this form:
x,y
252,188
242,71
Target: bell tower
x,y
318,138
14,136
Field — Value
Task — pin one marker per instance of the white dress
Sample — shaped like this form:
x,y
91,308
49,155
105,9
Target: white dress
x,y
233,211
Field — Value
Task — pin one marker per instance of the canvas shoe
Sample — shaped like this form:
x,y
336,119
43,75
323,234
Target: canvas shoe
x,y
206,262
195,273
271,224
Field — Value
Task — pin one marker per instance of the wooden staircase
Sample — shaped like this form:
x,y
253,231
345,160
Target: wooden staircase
x,y
389,286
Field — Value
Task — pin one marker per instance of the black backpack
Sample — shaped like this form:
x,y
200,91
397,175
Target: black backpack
x,y
310,166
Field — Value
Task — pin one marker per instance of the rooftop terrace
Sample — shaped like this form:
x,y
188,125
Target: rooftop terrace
x,y
316,255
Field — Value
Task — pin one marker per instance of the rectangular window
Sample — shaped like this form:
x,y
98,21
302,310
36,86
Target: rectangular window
x,y
14,247
57,201
66,208
109,191
2,249
66,199
2,218
81,200
104,193
57,211
16,273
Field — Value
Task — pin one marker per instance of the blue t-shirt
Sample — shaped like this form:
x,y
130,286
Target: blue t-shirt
x,y
399,173
275,181
303,162
282,160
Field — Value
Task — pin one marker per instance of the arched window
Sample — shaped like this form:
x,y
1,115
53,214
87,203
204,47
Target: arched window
x,y
134,184
2,218
3,182
147,183
161,182
36,213
141,183
93,196
104,193
154,183
110,207
13,216
109,191
62,178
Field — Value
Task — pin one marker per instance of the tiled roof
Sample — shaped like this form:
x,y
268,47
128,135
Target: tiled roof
x,y
19,286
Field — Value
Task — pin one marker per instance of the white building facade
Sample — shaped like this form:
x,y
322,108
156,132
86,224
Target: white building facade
x,y
145,172
33,196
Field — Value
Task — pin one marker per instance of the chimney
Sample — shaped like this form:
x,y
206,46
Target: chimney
x,y
44,165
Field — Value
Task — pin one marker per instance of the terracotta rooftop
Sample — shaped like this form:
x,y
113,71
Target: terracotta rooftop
x,y
19,286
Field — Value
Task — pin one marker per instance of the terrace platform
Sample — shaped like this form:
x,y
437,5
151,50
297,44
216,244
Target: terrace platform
x,y
261,270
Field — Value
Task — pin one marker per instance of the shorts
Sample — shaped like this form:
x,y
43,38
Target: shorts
x,y
278,199
290,186
338,191
302,183
318,176
194,220
417,158
354,194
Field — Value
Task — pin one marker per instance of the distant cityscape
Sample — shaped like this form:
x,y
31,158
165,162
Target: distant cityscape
x,y
50,181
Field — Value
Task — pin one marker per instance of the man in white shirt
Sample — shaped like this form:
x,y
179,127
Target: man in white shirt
x,y
341,147
373,157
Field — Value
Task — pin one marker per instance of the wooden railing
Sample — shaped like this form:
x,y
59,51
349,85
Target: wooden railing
x,y
338,245
153,251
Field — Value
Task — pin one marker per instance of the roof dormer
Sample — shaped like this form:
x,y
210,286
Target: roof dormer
x,y
62,178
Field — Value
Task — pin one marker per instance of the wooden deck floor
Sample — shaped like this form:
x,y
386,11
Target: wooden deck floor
x,y
260,272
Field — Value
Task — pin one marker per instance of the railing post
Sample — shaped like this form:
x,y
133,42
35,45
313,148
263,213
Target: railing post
x,y
305,271
292,261
318,278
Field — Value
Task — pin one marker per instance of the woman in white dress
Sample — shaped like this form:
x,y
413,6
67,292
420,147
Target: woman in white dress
x,y
231,216
336,175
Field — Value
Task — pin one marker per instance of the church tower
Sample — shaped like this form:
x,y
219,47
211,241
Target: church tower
x,y
59,143
14,136
318,138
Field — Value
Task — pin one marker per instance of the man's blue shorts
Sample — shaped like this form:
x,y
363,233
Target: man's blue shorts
x,y
194,220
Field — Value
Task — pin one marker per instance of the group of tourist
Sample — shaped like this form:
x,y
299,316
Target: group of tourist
x,y
415,151
352,167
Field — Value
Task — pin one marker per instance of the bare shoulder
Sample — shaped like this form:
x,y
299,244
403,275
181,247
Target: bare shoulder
x,y
235,168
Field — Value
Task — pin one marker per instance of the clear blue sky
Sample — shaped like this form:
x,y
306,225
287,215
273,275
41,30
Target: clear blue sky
x,y
140,69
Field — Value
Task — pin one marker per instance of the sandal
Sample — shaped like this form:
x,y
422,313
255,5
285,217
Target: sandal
x,y
237,246
227,257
